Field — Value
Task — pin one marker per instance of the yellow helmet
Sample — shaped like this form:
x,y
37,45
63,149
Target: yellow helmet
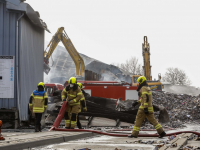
x,y
80,85
141,79
41,84
72,80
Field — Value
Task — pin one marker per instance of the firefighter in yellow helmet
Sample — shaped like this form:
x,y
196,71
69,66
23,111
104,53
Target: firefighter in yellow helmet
x,y
83,105
83,102
145,110
38,104
72,94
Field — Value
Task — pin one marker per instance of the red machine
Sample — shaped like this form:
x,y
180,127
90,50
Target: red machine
x,y
50,88
109,89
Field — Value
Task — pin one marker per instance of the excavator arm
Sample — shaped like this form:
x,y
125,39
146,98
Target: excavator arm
x,y
53,44
78,60
154,85
146,59
61,35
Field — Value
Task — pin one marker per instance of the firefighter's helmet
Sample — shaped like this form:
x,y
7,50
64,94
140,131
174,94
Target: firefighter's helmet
x,y
80,85
41,84
72,80
141,79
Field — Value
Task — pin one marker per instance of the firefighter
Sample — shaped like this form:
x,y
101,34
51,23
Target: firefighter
x,y
72,94
145,110
83,105
38,104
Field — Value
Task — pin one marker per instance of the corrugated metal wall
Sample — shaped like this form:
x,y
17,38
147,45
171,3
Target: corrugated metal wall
x,y
31,62
31,50
7,45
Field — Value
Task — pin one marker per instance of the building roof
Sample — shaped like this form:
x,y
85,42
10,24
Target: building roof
x,y
33,15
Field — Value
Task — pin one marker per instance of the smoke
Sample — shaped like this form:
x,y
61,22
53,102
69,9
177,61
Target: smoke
x,y
63,67
181,89
109,76
109,72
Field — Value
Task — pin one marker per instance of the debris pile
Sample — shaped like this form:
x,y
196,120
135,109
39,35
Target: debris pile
x,y
172,109
96,108
182,108
172,142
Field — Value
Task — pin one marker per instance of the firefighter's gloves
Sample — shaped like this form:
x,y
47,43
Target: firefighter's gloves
x,y
67,87
134,104
146,110
85,109
71,101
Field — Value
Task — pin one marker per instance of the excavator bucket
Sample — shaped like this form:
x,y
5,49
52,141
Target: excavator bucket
x,y
164,116
46,68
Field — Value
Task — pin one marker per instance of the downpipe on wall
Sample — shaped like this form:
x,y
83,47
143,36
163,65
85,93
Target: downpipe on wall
x,y
17,62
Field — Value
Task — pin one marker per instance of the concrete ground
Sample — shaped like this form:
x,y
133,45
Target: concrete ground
x,y
57,140
27,139
103,143
124,143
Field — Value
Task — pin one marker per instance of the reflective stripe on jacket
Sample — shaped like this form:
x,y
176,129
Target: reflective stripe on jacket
x,y
73,96
39,101
146,99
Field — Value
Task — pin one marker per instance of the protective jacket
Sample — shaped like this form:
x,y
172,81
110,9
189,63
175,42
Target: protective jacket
x,y
146,99
38,101
72,96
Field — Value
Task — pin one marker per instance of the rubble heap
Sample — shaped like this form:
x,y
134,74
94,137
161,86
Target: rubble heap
x,y
182,108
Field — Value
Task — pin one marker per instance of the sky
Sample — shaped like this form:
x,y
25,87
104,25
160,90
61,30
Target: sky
x,y
112,31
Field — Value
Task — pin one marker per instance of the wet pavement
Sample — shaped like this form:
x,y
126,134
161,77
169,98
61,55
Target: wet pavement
x,y
102,143
59,140
124,143
27,139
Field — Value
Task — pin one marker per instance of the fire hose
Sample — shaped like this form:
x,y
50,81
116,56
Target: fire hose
x,y
118,130
167,129
60,116
62,112
123,135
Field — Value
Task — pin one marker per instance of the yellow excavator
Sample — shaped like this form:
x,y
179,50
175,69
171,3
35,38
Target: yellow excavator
x,y
156,84
61,35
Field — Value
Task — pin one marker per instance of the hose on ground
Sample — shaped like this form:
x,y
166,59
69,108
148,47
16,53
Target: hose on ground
x,y
119,130
167,129
121,135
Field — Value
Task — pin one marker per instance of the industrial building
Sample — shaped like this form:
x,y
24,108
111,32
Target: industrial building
x,y
22,35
